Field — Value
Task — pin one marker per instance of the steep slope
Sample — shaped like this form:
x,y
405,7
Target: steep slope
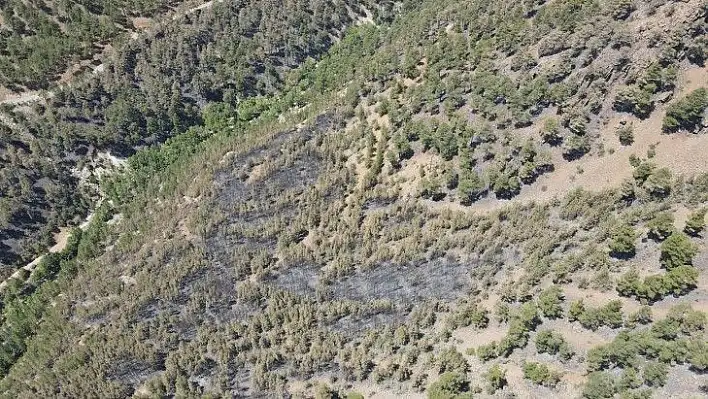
x,y
152,87
399,219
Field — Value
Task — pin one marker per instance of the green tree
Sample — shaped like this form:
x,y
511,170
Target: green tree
x,y
470,187
599,385
452,360
553,343
622,240
541,374
656,374
658,184
686,113
551,131
642,171
696,222
450,386
496,378
576,309
661,226
677,250
625,133
549,302
634,100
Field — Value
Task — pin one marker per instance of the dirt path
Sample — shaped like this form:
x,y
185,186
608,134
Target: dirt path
x,y
192,10
61,239
20,99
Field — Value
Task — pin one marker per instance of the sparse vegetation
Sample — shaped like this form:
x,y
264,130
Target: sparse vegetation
x,y
541,374
362,203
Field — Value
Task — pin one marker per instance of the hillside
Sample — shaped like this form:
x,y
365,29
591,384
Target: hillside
x,y
151,87
435,199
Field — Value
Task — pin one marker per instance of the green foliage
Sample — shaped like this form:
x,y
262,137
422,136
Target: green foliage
x,y
642,316
21,315
576,309
655,374
506,186
236,218
450,360
625,133
550,302
622,241
634,100
541,374
658,184
686,113
487,352
696,222
450,386
470,187
496,378
599,385
470,315
661,226
576,146
677,250
553,343
609,315
642,170
677,281
550,133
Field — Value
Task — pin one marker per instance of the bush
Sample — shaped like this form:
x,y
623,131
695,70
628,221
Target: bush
x,y
629,380
609,315
699,355
677,281
549,302
696,222
487,352
599,385
642,170
625,133
634,100
541,374
576,309
450,386
686,113
553,343
496,378
661,226
656,374
622,240
470,315
641,316
677,250
658,184
551,132
451,360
